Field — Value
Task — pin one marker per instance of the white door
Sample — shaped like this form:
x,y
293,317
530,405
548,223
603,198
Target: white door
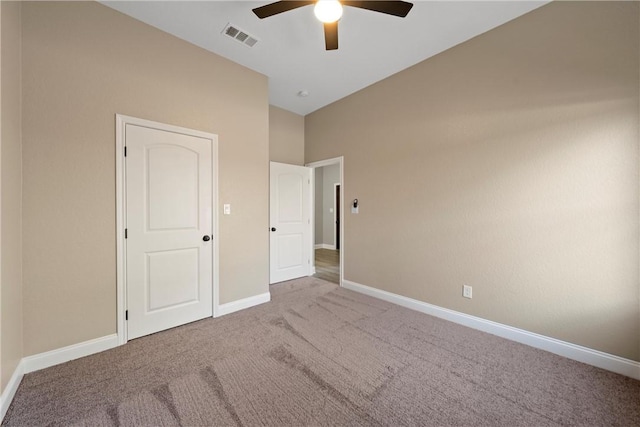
x,y
290,216
169,250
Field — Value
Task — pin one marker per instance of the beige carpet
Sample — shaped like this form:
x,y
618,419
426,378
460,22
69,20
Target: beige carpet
x,y
321,355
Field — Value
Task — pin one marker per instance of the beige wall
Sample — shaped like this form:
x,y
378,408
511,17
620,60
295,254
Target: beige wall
x,y
11,192
509,163
82,64
286,136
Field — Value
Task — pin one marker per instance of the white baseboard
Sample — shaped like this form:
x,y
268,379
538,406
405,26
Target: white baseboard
x,y
10,390
232,307
65,354
600,359
51,358
325,246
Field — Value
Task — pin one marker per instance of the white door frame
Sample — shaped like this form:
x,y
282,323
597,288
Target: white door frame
x,y
319,164
121,198
335,229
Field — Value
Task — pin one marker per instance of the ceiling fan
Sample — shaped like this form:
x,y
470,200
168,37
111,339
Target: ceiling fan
x,y
330,11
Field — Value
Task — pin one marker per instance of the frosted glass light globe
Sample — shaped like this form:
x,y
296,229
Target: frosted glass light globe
x,y
328,11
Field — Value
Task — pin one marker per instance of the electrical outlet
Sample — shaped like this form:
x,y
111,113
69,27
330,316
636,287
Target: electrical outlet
x,y
466,291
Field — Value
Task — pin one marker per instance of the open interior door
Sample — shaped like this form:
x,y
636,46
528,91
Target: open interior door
x,y
290,227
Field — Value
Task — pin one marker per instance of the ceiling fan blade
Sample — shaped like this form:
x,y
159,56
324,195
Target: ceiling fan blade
x,y
396,8
331,36
279,7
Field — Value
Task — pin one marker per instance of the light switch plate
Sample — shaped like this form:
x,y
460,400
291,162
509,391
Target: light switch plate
x,y
227,209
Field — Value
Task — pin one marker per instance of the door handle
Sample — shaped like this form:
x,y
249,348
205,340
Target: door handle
x,y
273,229
206,238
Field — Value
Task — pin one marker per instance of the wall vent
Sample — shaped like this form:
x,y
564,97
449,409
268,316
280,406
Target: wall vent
x,y
240,36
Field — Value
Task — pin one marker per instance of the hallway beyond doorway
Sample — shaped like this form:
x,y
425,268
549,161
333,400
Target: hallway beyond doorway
x,y
328,265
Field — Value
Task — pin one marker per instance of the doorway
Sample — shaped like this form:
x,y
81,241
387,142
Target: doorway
x,y
167,236
328,239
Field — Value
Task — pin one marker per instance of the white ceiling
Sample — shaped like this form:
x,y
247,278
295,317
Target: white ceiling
x,y
291,50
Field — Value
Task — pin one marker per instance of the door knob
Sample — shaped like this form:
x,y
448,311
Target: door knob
x,y
206,238
273,229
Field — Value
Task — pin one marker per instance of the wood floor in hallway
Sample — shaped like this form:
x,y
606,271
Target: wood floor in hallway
x,y
328,265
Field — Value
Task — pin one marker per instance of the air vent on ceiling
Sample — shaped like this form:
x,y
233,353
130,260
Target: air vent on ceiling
x,y
239,35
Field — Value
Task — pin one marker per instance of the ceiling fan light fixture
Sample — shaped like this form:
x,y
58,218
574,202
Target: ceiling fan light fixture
x,y
328,11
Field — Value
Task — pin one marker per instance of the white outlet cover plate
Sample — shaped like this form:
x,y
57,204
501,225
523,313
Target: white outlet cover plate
x,y
467,291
